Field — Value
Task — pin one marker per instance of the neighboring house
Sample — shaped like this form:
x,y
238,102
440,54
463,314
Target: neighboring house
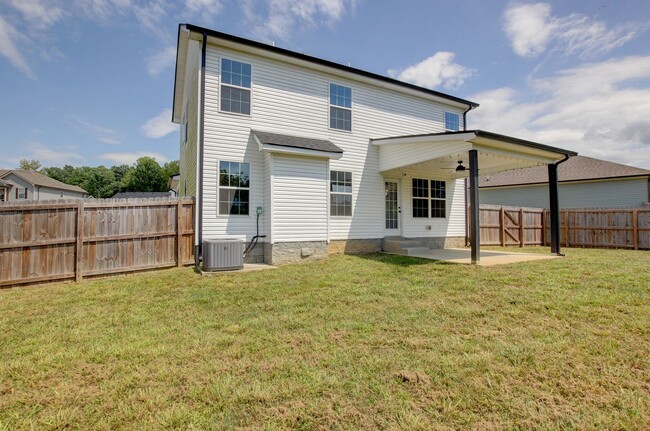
x,y
584,183
142,195
325,157
33,186
5,189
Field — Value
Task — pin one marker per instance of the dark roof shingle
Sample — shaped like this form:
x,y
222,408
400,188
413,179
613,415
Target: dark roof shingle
x,y
579,168
296,142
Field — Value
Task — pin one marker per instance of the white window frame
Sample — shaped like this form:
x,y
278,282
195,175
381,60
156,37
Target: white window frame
x,y
219,187
21,193
350,193
330,106
429,198
222,84
444,119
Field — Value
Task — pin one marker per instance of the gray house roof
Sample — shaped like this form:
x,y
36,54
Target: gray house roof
x,y
579,168
296,142
4,184
37,179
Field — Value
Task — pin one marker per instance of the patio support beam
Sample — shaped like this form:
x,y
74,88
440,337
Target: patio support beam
x,y
475,229
554,206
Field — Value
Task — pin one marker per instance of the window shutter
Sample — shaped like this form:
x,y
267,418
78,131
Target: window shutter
x,y
16,192
26,189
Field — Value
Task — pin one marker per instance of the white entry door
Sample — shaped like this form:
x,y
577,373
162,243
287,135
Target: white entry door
x,y
392,221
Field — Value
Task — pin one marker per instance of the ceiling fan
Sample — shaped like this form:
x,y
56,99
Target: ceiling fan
x,y
459,168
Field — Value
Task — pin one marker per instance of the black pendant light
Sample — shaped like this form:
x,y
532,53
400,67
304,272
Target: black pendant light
x,y
460,167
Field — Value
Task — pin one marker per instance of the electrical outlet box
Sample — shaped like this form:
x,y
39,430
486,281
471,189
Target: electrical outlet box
x,y
260,210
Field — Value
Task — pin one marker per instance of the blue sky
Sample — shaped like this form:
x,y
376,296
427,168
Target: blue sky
x,y
89,82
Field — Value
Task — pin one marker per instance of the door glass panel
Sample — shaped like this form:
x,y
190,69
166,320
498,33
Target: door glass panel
x,y
391,205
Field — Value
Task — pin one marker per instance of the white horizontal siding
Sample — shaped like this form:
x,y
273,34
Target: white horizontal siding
x,y
294,100
299,199
624,193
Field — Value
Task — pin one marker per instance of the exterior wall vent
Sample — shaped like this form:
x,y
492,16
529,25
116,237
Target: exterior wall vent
x,y
223,254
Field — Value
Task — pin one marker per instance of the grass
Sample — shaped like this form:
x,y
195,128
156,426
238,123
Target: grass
x,y
354,342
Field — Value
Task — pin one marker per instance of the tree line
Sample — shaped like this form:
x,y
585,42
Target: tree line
x,y
145,175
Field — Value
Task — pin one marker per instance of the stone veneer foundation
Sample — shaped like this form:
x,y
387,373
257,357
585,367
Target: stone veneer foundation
x,y
354,246
281,253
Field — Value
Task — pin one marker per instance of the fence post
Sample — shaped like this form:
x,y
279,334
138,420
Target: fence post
x,y
566,227
502,227
522,232
79,249
635,225
179,233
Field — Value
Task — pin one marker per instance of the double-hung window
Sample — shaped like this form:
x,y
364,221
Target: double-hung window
x,y
340,107
234,188
235,87
341,193
429,198
452,122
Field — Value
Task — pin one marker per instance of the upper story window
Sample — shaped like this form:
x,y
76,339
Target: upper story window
x,y
235,87
21,193
429,198
234,188
340,107
341,193
452,122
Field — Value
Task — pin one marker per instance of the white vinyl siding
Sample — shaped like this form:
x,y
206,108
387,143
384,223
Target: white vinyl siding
x,y
623,193
293,100
299,199
188,157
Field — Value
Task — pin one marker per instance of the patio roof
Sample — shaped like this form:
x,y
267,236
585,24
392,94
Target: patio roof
x,y
441,151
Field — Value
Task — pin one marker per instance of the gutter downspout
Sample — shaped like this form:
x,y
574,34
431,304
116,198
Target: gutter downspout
x,y
469,108
198,242
554,205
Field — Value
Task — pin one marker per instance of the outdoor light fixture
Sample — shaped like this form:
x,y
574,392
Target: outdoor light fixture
x,y
460,167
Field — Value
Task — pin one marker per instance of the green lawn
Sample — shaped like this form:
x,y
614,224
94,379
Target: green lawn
x,y
353,342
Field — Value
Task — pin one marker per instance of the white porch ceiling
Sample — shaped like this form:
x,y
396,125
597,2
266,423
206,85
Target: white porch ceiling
x,y
440,153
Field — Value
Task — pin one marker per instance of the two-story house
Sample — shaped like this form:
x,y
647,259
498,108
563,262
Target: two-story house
x,y
319,157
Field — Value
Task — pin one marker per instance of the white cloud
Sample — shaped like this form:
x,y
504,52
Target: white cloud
x,y
9,50
126,158
160,125
50,156
599,110
103,134
161,60
532,30
38,13
279,18
437,70
204,9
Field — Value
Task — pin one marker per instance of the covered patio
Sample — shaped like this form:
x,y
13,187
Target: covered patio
x,y
465,154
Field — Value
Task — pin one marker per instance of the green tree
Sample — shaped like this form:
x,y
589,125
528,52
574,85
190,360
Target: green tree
x,y
29,165
146,176
171,168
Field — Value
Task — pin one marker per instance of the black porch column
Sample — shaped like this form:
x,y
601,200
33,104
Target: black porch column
x,y
474,228
554,208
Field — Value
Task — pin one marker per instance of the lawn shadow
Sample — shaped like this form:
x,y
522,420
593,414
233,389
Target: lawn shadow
x,y
400,260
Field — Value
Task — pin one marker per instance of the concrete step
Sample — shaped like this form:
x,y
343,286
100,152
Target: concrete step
x,y
399,246
416,251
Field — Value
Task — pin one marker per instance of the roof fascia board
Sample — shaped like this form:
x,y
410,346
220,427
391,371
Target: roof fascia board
x,y
264,50
274,148
418,139
515,151
486,137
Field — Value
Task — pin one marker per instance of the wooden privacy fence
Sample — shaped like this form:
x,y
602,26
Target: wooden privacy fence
x,y
57,240
597,228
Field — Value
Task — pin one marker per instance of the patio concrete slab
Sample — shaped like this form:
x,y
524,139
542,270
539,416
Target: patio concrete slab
x,y
488,257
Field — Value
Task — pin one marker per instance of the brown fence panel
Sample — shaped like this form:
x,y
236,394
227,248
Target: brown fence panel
x,y
56,240
598,228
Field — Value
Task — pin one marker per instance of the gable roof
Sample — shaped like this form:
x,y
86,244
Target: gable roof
x,y
38,179
4,184
184,31
579,168
296,142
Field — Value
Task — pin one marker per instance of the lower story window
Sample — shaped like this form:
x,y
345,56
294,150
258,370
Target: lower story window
x,y
429,198
341,193
234,188
21,193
